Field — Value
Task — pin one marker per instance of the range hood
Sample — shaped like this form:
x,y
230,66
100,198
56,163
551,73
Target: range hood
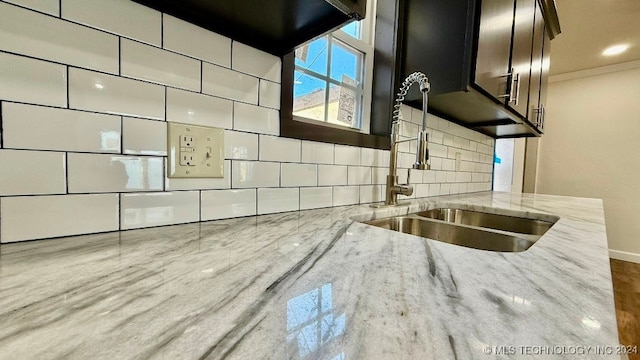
x,y
273,26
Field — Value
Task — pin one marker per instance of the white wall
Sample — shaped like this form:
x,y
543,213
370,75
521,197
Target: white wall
x,y
86,89
591,148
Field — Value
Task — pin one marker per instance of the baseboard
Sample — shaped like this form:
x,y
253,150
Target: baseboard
x,y
624,255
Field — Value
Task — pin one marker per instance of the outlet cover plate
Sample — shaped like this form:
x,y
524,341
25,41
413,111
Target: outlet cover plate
x,y
195,151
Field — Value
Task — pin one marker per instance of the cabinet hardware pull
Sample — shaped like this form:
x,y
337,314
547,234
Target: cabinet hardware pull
x,y
515,85
538,111
508,95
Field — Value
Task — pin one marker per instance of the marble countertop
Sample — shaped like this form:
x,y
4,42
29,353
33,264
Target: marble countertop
x,y
313,285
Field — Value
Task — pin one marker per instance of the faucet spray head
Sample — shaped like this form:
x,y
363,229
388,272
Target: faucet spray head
x,y
422,153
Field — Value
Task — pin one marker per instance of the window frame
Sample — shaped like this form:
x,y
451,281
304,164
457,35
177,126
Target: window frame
x,y
313,130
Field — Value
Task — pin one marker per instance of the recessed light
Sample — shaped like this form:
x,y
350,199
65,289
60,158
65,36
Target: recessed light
x,y
615,50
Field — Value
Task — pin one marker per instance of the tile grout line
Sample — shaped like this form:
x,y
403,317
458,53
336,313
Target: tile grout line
x,y
68,89
119,55
66,172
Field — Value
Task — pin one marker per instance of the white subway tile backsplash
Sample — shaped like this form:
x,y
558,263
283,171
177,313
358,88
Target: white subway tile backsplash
x,y
438,150
434,189
421,190
122,17
371,193
155,209
317,153
223,204
70,44
255,62
435,137
192,108
144,137
346,195
298,175
110,140
240,145
201,183
273,148
316,197
463,177
416,116
51,7
476,177
374,157
229,84
99,92
347,155
144,62
59,129
406,160
429,176
447,139
405,112
436,163
269,94
256,119
185,38
441,176
448,164
332,175
32,81
359,175
37,217
92,173
278,200
409,130
32,172
379,175
253,174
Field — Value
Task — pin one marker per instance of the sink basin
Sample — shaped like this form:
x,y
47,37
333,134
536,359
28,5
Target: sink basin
x,y
455,234
486,220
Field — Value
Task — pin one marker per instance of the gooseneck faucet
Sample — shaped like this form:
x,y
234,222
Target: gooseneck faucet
x,y
393,189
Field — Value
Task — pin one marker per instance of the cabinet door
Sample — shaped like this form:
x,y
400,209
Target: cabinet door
x,y
534,113
521,56
494,47
544,77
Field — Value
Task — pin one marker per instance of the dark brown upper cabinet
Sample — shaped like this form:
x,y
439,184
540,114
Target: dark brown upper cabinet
x,y
484,60
274,26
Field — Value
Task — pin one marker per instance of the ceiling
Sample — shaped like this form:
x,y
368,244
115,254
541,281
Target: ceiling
x,y
589,27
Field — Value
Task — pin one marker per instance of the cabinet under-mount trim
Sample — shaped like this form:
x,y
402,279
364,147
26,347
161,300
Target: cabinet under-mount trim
x,y
273,26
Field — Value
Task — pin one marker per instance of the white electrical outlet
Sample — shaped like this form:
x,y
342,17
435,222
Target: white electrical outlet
x,y
195,151
458,161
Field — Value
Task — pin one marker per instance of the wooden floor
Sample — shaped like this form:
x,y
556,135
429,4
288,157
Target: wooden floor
x,y
626,292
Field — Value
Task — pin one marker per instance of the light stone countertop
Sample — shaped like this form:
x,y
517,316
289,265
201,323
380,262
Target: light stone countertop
x,y
313,285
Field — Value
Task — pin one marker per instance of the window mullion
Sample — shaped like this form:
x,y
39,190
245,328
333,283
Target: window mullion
x,y
328,86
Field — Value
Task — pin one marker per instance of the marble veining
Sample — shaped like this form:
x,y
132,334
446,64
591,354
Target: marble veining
x,y
312,285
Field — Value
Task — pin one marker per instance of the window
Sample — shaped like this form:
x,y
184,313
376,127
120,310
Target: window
x,y
327,85
331,81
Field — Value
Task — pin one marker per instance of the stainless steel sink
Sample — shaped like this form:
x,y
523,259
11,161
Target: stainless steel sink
x,y
455,234
486,220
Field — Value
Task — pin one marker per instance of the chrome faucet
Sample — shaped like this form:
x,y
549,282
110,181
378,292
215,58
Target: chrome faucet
x,y
393,189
